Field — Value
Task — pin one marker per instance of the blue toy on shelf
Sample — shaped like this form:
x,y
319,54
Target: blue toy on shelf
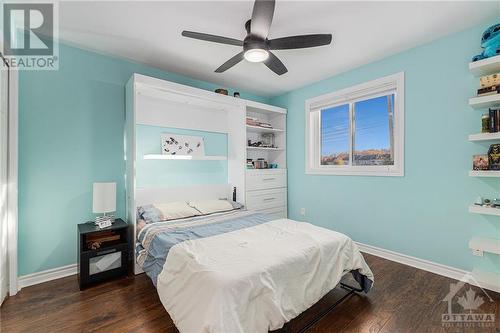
x,y
490,42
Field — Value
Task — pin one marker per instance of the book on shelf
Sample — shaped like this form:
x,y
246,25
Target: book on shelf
x,y
493,90
494,115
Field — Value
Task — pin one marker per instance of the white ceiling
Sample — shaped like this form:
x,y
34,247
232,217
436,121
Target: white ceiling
x,y
150,33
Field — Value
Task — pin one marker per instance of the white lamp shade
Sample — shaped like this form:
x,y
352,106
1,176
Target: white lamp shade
x,y
104,198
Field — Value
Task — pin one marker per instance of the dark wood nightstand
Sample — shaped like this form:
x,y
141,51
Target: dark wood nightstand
x,y
102,253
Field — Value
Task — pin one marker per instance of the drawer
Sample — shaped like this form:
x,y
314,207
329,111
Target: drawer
x,y
274,213
265,179
262,199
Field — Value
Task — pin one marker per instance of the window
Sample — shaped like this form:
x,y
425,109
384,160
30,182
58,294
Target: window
x,y
358,130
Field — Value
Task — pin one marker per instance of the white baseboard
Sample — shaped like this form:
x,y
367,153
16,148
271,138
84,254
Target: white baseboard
x,y
48,275
422,264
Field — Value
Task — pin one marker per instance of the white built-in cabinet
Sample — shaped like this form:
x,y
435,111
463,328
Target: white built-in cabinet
x,y
151,101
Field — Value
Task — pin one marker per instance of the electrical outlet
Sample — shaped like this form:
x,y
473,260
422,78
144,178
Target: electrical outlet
x,y
303,211
477,253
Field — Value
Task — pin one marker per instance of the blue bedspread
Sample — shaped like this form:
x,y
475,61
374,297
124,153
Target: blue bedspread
x,y
156,239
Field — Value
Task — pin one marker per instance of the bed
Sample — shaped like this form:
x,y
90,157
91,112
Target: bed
x,y
241,271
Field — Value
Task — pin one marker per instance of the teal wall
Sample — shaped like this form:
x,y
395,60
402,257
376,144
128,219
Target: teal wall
x,y
70,135
178,173
423,214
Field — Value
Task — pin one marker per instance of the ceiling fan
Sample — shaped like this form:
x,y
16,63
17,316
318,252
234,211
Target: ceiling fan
x,y
256,46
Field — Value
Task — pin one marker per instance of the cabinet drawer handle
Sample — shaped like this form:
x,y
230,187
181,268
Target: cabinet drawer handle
x,y
269,199
268,178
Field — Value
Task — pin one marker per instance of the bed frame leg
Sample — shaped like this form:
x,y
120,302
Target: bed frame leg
x,y
350,291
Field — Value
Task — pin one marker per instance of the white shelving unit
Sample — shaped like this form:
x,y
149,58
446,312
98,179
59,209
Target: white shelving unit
x,y
184,157
485,66
484,210
484,102
484,173
485,244
484,137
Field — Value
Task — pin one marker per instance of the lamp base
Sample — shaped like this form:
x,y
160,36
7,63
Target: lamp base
x,y
104,221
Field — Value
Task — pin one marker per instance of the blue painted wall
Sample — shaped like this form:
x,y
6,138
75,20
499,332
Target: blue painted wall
x,y
70,135
178,173
423,214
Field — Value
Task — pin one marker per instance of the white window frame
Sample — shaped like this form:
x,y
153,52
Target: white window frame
x,y
376,88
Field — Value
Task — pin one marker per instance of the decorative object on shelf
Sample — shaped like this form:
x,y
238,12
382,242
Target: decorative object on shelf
x,y
485,123
236,94
479,201
273,165
222,91
494,157
480,162
250,164
260,164
104,201
268,139
495,203
494,115
490,42
489,80
252,121
486,203
175,144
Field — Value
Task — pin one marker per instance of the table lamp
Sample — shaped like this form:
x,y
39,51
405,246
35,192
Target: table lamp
x,y
104,201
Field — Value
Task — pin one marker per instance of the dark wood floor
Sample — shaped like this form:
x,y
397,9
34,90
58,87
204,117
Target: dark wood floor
x,y
404,299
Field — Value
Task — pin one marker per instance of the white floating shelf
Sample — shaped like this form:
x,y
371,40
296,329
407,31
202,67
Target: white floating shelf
x,y
258,129
484,173
184,157
483,102
487,280
484,210
484,136
486,66
491,245
264,148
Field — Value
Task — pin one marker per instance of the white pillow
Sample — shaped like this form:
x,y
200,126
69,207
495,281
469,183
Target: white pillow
x,y
176,210
211,206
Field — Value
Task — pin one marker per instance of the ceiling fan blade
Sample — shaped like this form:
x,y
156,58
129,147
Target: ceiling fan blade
x,y
299,42
230,63
274,64
212,38
262,17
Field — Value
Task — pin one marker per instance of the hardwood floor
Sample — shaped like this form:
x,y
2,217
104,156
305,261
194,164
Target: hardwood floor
x,y
403,299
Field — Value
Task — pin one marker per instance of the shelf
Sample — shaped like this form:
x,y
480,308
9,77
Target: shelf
x,y
485,173
484,102
484,210
486,66
258,129
264,148
491,245
484,136
184,157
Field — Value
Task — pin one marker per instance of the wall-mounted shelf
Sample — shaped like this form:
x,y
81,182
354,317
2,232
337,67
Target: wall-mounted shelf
x,y
258,129
491,245
264,148
485,66
484,102
484,137
484,173
184,157
484,210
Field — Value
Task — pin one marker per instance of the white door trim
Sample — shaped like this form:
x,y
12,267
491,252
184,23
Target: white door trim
x,y
12,176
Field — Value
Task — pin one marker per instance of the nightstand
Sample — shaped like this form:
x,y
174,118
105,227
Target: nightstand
x,y
102,253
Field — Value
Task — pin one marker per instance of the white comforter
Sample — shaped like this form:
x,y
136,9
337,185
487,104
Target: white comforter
x,y
255,279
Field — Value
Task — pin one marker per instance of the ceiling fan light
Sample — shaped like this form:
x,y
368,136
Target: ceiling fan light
x,y
256,55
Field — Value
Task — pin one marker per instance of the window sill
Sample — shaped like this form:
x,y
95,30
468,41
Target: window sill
x,y
354,172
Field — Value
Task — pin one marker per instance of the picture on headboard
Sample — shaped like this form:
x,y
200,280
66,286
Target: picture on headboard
x,y
176,144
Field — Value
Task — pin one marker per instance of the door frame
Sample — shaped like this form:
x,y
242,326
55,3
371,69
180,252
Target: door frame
x,y
12,177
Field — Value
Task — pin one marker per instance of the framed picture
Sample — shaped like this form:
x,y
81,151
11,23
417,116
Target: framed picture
x,y
480,162
175,144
